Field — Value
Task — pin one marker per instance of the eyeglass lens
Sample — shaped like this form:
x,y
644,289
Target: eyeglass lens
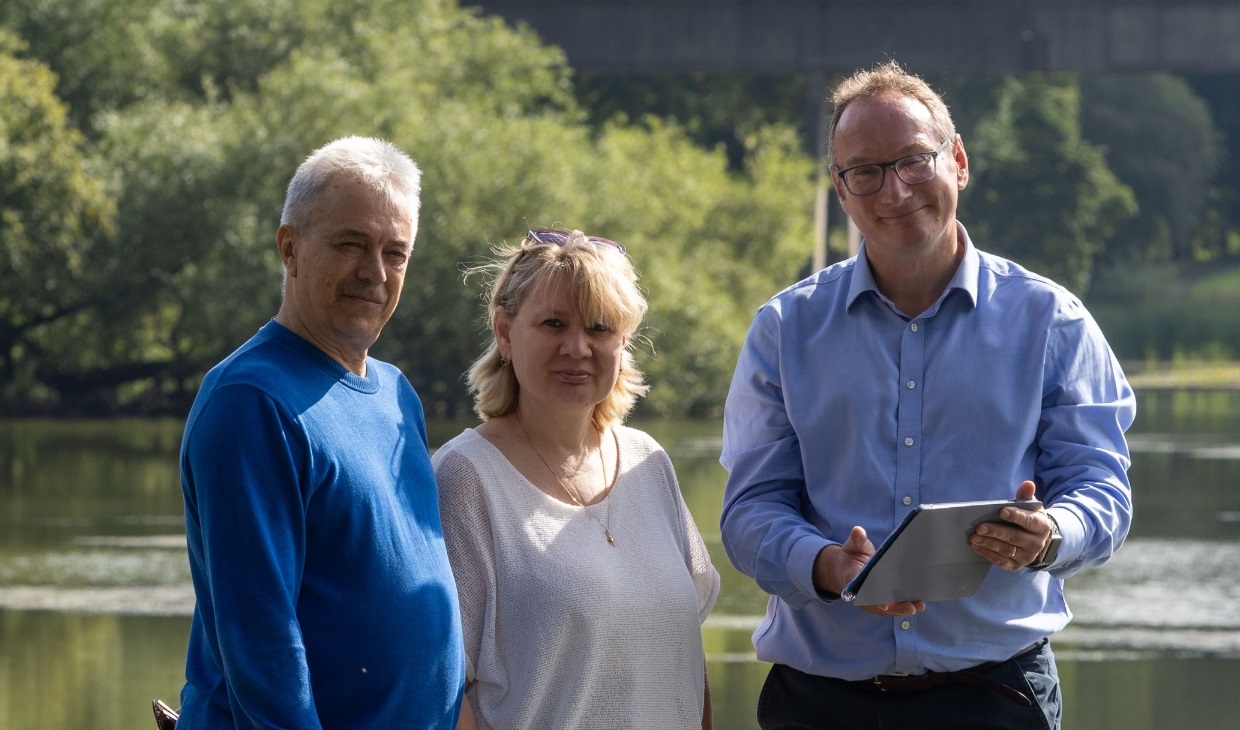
x,y
912,170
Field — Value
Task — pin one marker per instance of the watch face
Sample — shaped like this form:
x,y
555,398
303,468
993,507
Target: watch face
x,y
1052,550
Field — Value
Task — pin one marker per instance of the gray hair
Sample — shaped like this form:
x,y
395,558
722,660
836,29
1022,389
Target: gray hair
x,y
374,162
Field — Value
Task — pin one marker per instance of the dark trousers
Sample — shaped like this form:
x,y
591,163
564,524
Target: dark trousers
x,y
793,700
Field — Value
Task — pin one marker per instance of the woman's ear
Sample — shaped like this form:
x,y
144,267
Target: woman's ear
x,y
501,324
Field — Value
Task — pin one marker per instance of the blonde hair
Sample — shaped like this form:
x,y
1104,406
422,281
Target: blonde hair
x,y
883,79
602,281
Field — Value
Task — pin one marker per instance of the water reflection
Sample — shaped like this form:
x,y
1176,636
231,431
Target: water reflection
x,y
1174,598
95,593
64,669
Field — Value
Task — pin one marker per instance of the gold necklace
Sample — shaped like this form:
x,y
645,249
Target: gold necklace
x,y
556,475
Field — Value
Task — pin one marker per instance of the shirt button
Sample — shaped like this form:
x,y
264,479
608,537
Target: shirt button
x,y
910,385
908,442
904,625
908,500
913,326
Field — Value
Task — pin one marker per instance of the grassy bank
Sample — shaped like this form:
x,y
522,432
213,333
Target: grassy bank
x,y
1183,374
1172,325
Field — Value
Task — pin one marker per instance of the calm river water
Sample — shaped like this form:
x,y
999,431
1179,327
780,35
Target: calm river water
x,y
95,596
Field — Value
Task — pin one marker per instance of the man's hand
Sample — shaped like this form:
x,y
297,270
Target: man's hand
x,y
837,565
1017,541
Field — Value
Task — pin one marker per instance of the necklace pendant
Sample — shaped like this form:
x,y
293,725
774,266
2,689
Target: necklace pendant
x,y
610,539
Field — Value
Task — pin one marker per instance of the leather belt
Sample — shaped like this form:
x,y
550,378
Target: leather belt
x,y
900,683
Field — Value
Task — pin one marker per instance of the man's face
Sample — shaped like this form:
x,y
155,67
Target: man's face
x,y
345,270
899,219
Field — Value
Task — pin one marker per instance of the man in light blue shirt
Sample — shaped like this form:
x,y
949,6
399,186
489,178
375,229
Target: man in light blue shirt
x,y
921,371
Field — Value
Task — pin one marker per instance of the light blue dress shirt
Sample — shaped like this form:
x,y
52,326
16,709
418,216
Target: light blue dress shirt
x,y
844,411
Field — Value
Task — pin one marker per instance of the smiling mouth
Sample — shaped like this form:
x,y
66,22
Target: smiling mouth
x,y
905,214
366,299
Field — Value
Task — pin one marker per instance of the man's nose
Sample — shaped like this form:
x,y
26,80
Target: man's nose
x,y
371,268
894,188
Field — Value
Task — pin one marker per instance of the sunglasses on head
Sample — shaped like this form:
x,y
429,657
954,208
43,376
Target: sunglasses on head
x,y
554,237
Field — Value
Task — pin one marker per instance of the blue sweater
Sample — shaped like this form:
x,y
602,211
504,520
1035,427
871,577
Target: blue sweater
x,y
324,594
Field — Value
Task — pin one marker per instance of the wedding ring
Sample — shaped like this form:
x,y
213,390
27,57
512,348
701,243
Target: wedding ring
x,y
1013,552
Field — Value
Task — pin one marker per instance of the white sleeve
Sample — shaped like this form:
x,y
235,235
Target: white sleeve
x,y
697,558
467,533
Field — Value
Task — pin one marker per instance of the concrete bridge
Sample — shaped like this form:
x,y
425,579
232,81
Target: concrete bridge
x,y
838,36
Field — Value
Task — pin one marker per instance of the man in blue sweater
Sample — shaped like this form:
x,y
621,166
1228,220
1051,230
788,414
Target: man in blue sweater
x,y
324,597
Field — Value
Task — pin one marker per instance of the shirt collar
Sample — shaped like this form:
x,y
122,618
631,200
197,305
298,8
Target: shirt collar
x,y
965,278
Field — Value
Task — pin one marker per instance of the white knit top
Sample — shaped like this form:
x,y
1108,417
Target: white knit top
x,y
563,630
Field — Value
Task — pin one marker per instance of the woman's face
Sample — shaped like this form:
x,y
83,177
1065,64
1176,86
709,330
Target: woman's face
x,y
560,359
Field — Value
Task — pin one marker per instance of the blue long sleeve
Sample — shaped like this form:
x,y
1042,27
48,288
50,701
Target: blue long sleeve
x,y
844,411
324,594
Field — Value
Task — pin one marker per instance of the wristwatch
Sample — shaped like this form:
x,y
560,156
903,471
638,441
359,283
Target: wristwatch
x,y
1052,547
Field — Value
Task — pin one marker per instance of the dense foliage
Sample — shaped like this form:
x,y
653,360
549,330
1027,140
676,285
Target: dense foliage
x,y
56,220
145,146
1162,143
1028,156
174,130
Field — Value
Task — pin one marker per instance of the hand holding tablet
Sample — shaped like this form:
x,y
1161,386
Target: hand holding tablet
x,y
928,557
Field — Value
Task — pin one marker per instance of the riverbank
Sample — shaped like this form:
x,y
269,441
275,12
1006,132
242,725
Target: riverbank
x,y
1224,375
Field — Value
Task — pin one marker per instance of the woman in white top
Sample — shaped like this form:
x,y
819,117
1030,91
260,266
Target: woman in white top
x,y
582,577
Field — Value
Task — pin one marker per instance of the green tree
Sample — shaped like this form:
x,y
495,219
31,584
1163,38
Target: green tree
x,y
1040,194
715,109
110,54
1159,139
1222,231
106,53
198,170
55,215
193,268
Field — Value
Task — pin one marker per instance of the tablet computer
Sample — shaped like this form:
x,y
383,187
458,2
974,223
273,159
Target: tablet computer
x,y
928,557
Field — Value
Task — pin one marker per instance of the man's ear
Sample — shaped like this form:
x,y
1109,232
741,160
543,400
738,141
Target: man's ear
x,y
962,163
286,240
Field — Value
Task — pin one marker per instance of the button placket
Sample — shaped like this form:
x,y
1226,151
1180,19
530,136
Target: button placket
x,y
908,457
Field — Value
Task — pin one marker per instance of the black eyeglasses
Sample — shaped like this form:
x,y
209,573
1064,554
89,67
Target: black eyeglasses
x,y
555,237
912,170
